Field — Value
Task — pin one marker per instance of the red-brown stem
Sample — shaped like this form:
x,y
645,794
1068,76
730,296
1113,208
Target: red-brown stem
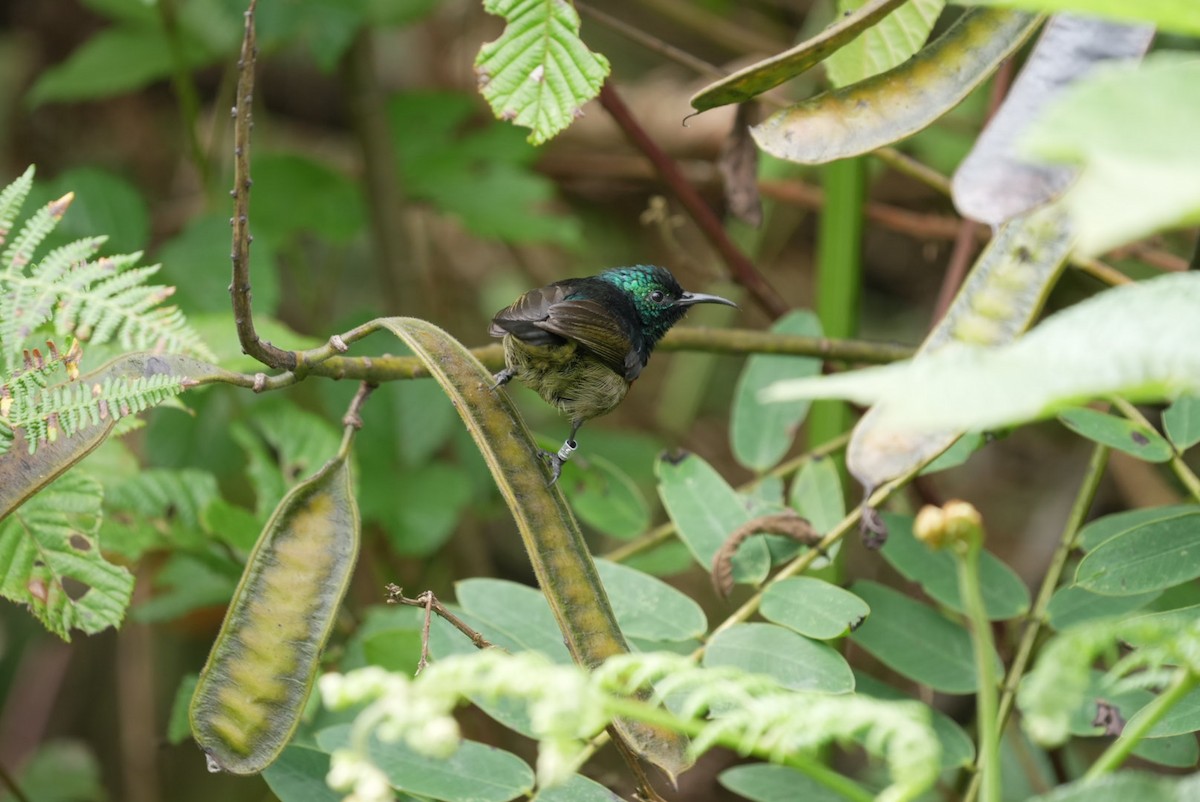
x,y
743,270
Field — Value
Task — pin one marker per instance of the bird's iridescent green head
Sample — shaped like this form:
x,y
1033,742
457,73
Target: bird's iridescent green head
x,y
659,300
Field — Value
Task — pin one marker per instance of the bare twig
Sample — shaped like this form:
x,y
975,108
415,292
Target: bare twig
x,y
429,603
239,288
743,270
10,783
353,417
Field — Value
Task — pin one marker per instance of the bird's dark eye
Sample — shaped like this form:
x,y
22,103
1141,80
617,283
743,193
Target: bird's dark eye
x,y
657,296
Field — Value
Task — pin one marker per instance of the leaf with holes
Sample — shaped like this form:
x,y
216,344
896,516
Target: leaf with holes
x,y
52,552
539,72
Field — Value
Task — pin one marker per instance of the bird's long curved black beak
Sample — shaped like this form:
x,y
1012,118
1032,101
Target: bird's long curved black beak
x,y
689,298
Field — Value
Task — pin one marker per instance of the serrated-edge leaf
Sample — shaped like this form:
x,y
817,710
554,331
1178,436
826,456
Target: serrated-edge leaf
x,y
886,44
539,72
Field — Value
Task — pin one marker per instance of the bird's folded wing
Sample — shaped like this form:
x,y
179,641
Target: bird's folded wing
x,y
594,327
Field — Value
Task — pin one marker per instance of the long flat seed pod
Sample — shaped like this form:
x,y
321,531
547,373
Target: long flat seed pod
x,y
994,184
752,81
551,536
892,105
998,301
251,693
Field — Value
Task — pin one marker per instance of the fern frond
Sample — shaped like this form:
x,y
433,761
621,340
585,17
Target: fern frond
x,y
28,302
64,409
12,198
20,251
95,300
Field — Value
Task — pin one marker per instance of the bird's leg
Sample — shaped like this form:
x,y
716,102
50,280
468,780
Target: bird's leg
x,y
503,377
564,453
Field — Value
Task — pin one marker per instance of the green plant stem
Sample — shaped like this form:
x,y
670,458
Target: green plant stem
x,y
986,718
661,534
1181,469
740,267
325,360
184,88
1120,749
1037,614
661,717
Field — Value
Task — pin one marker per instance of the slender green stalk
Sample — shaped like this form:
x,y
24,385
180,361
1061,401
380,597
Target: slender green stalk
x,y
986,718
839,276
1037,614
1121,748
185,88
1181,469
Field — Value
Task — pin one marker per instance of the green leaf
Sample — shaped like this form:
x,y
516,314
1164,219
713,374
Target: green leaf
x,y
605,497
1119,126
1182,718
1132,437
761,434
813,607
816,493
944,660
474,773
796,662
482,174
114,61
189,260
1134,340
514,616
1151,556
179,729
298,775
51,548
538,73
1119,787
294,194
1182,422
886,44
763,782
104,203
389,636
1181,16
706,511
956,454
576,789
188,582
419,508
958,749
1074,605
62,771
1004,594
650,608
1108,527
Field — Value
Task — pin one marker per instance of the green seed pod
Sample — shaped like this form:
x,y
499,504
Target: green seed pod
x,y
253,689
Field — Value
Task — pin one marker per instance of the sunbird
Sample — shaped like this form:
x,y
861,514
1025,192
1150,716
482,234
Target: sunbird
x,y
581,342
